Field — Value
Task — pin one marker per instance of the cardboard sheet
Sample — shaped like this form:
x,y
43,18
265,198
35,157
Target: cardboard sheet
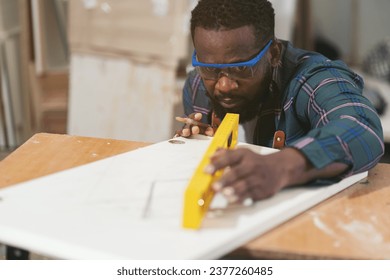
x,y
101,210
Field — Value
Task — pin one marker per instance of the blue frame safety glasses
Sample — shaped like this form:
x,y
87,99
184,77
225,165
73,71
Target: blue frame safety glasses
x,y
238,70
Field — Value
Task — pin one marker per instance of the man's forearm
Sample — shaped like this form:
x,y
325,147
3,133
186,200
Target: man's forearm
x,y
300,170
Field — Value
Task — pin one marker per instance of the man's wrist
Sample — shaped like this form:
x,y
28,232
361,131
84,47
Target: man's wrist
x,y
296,167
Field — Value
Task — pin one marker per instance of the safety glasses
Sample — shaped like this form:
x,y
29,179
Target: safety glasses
x,y
239,70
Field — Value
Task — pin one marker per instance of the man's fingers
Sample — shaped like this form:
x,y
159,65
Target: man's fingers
x,y
217,161
223,158
238,192
197,116
194,126
209,131
195,130
186,131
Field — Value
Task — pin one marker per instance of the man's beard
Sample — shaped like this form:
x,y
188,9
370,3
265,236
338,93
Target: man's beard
x,y
247,111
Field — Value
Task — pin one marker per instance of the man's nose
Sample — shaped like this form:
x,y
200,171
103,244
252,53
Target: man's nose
x,y
225,84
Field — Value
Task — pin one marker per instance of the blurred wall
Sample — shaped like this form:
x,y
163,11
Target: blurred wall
x,y
332,19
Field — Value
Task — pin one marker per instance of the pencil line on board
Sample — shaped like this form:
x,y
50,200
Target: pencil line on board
x,y
146,211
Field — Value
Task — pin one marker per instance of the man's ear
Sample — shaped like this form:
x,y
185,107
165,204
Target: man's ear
x,y
276,52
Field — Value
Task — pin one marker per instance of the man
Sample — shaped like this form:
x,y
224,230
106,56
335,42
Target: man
x,y
330,129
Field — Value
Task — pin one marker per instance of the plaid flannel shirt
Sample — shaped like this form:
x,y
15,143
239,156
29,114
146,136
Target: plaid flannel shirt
x,y
324,113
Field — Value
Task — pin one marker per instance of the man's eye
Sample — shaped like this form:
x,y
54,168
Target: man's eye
x,y
239,69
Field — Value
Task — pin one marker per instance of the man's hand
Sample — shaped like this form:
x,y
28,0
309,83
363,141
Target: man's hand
x,y
193,126
250,175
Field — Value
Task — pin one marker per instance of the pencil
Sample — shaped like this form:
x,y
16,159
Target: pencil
x,y
192,122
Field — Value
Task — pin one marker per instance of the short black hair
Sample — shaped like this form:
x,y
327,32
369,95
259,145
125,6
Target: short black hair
x,y
231,14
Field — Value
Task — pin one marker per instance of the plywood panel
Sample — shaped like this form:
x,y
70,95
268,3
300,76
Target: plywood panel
x,y
153,29
121,99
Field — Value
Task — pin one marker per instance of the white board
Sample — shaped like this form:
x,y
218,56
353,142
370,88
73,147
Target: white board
x,y
98,211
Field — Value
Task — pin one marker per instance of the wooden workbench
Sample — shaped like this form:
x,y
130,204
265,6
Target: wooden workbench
x,y
354,224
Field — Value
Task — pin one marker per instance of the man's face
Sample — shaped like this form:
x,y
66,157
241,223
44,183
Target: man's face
x,y
227,94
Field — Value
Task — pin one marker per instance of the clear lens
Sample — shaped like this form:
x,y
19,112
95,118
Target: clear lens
x,y
240,72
